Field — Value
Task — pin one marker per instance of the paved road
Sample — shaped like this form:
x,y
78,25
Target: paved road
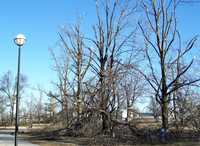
x,y
8,140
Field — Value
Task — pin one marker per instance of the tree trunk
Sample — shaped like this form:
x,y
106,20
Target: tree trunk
x,y
105,124
12,116
66,115
164,101
164,109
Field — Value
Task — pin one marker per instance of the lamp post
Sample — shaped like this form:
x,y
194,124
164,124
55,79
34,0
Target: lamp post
x,y
19,41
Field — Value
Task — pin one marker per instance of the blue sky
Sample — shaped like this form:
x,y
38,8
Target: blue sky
x,y
40,20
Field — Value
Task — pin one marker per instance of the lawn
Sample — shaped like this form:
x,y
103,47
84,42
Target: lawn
x,y
175,144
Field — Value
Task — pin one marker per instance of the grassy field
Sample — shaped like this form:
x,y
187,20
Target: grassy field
x,y
75,141
175,144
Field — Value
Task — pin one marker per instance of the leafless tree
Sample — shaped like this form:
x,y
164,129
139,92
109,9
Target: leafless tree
x,y
154,108
8,91
3,107
163,40
71,67
112,38
63,85
80,58
30,111
39,108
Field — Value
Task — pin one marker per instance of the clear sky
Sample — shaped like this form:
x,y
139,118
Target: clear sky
x,y
39,21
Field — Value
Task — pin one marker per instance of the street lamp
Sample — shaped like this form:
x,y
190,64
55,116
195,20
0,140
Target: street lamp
x,y
19,41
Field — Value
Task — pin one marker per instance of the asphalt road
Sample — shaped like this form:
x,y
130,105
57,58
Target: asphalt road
x,y
8,140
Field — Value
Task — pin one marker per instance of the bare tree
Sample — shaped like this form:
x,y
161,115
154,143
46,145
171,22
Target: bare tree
x,y
112,39
163,40
80,59
39,108
8,90
31,112
154,108
3,107
71,67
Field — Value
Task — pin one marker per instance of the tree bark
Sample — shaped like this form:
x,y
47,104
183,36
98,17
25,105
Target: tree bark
x,y
164,109
12,116
105,124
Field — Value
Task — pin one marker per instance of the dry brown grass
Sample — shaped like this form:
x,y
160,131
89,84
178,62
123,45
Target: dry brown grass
x,y
69,144
42,143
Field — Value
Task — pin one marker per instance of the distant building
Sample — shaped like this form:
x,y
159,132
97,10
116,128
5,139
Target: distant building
x,y
146,115
129,114
132,114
